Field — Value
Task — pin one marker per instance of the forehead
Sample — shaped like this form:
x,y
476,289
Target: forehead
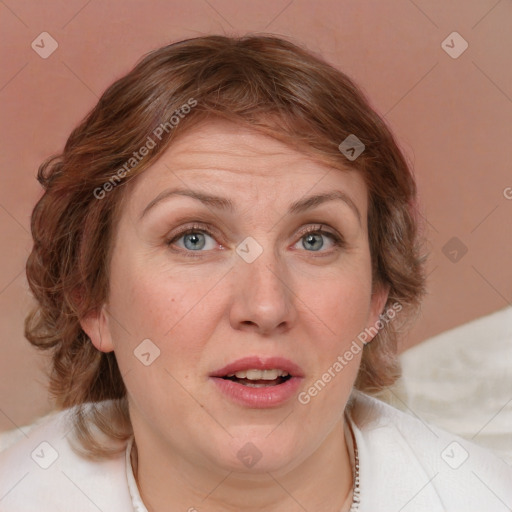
x,y
232,146
236,161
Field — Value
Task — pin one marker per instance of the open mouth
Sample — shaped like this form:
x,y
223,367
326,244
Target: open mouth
x,y
257,383
259,378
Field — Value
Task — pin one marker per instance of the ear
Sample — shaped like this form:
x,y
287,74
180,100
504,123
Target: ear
x,y
96,325
378,301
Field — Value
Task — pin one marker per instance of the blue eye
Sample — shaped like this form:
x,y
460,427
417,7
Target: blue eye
x,y
312,238
195,239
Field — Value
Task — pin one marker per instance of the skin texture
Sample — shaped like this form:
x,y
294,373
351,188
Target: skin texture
x,y
299,299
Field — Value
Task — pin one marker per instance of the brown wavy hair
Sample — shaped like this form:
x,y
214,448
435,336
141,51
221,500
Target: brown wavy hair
x,y
260,81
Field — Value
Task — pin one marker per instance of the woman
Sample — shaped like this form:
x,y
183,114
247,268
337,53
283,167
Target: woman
x,y
223,256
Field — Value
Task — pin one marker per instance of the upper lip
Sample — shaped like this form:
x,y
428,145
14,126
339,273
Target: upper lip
x,y
260,363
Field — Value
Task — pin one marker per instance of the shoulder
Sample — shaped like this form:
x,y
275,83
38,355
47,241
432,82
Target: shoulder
x,y
41,471
408,462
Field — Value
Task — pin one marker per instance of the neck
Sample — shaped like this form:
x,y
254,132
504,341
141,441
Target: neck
x,y
322,481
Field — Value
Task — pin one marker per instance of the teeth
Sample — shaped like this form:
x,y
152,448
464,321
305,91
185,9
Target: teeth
x,y
259,374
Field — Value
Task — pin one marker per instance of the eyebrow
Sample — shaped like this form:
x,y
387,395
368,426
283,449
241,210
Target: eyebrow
x,y
222,203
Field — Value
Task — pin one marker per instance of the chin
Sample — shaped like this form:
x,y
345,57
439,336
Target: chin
x,y
263,466
257,454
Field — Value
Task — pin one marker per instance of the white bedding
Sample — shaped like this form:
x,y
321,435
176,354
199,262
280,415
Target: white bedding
x,y
461,380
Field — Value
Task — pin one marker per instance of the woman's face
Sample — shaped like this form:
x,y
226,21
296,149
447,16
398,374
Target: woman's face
x,y
247,281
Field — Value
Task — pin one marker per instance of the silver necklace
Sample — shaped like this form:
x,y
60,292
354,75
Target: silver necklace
x,y
356,497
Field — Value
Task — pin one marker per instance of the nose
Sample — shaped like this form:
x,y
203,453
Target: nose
x,y
263,300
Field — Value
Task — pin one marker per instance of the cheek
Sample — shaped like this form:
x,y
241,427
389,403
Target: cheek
x,y
167,307
146,303
341,301
341,306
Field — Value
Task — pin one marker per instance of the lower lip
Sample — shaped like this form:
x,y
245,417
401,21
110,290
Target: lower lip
x,y
259,398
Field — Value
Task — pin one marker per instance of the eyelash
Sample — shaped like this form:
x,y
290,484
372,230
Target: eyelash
x,y
337,240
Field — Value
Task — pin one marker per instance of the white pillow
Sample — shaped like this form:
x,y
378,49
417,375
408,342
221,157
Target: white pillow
x,y
461,380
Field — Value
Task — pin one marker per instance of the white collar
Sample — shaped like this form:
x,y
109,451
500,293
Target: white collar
x,y
138,505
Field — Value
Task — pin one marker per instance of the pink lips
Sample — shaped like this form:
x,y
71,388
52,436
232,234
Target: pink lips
x,y
264,397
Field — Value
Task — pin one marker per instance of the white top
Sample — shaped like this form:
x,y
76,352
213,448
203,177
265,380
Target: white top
x,y
405,465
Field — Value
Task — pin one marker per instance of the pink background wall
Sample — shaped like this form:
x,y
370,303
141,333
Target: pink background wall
x,y
453,118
